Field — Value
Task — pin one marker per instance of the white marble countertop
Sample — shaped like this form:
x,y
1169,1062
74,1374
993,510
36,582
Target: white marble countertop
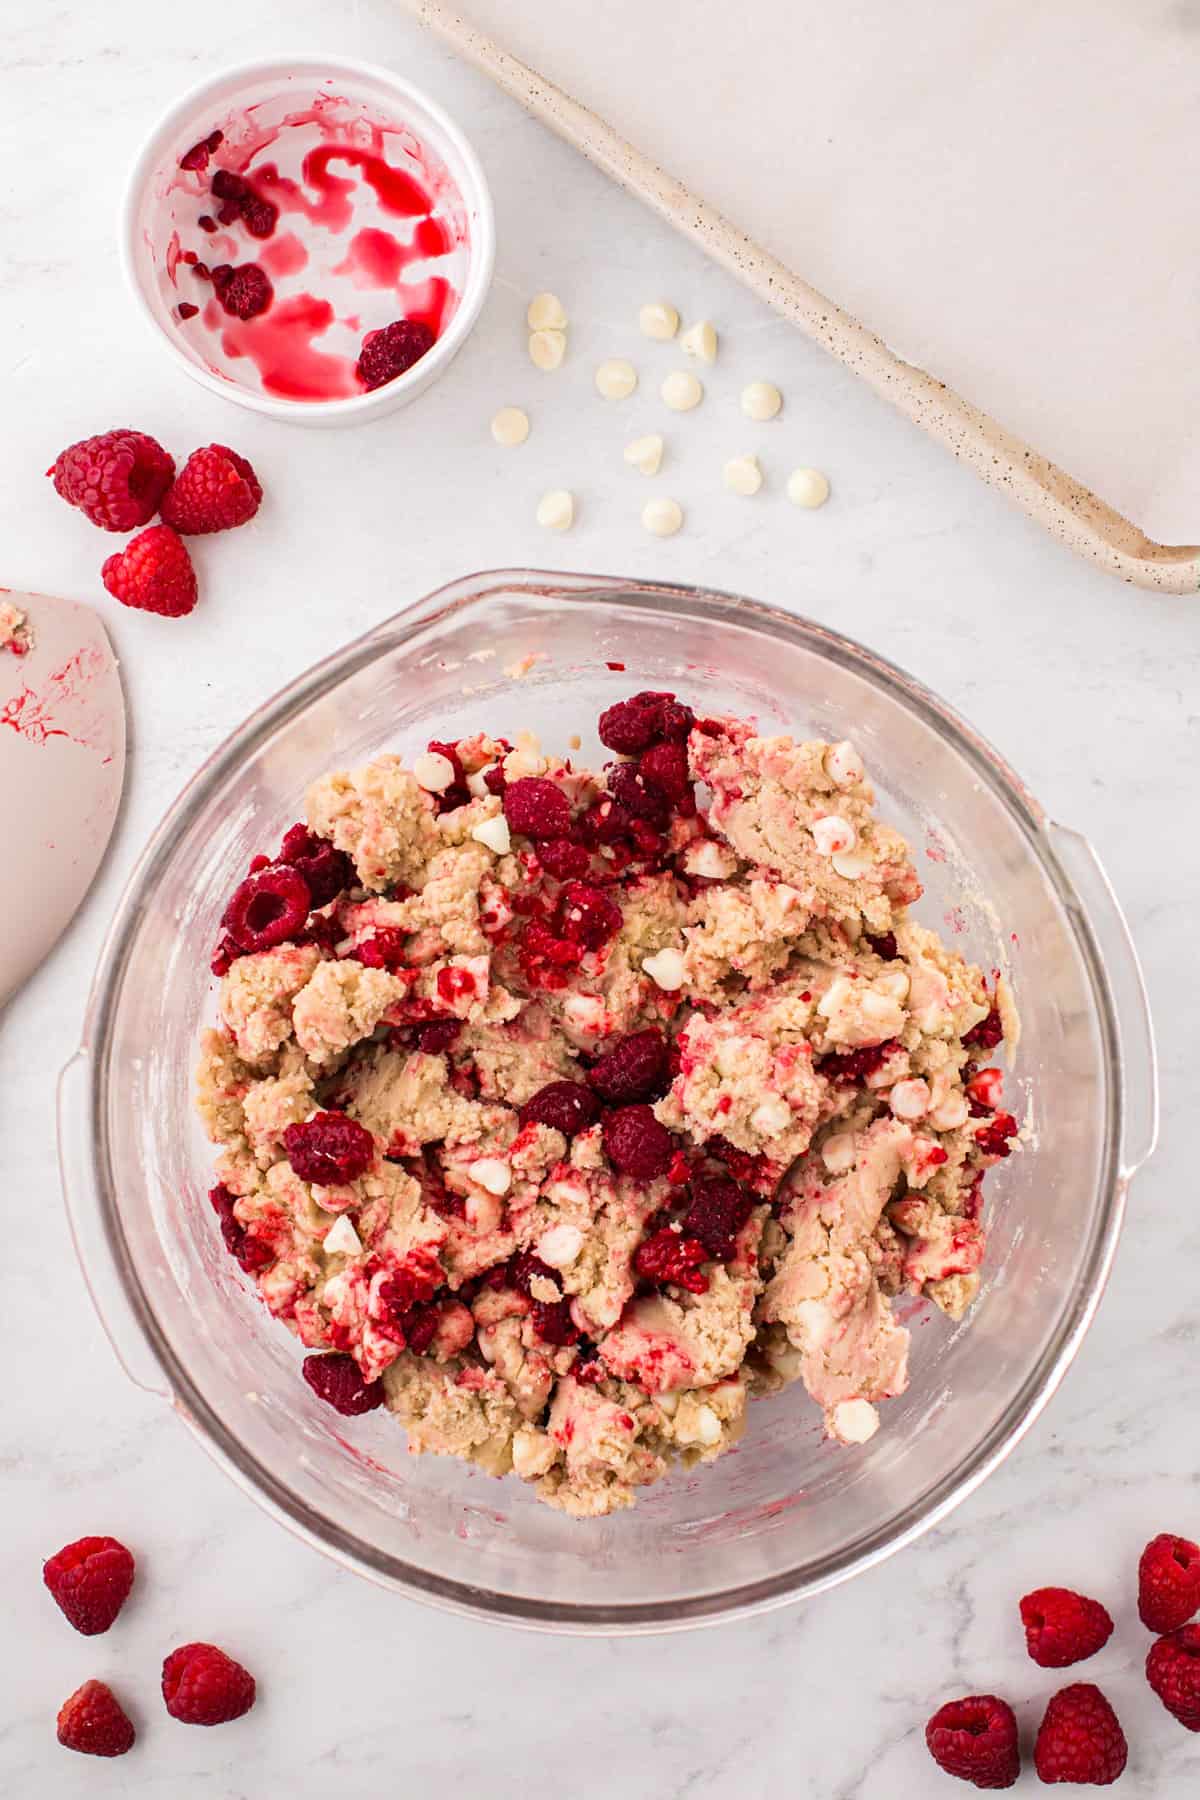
x,y
1087,687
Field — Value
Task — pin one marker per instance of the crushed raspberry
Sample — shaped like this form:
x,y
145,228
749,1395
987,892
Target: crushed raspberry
x,y
976,1740
437,1037
551,1318
203,1686
421,1327
587,1369
185,310
1173,1671
244,291
324,931
90,1581
636,1143
494,779
329,1148
984,1089
636,1068
1062,1627
216,490
665,767
268,908
259,215
1168,1582
884,945
536,808
545,959
392,351
338,1380
94,1722
604,822
563,859
326,870
669,1256
117,480
988,1033
640,801
586,915
206,222
1080,1739
755,1171
633,725
680,1170
249,1252
856,1065
386,948
993,1138
153,573
197,157
566,1106
718,1210
455,984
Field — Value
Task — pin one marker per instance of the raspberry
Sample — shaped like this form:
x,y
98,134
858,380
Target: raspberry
x,y
544,958
884,945
976,1739
586,915
1173,1671
244,291
634,1069
563,859
565,1106
993,1138
437,1036
329,1148
153,573
988,1033
1168,1582
94,1722
386,948
259,215
268,908
392,351
215,490
719,1208
634,725
338,1380
665,767
604,822
326,871
856,1065
636,1143
536,808
117,479
551,1318
1080,1738
197,157
203,1686
90,1581
185,310
627,788
1062,1627
249,1252
669,1256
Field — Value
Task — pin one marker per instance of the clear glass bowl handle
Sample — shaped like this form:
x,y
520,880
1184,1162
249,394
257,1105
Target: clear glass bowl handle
x,y
1139,1133
100,1271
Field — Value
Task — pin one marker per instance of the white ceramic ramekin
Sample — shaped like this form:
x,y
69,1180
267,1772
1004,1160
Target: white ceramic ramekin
x,y
193,116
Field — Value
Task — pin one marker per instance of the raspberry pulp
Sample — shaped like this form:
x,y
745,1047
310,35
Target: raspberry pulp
x,y
325,870
988,1033
249,1252
338,1380
718,1210
392,351
245,291
329,1148
586,915
669,1256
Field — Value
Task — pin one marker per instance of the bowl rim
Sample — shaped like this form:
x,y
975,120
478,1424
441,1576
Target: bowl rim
x,y
478,198
459,1595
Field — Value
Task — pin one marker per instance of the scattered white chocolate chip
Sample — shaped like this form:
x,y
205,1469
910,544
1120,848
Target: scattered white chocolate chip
x,y
838,1153
433,771
645,454
547,348
341,1239
556,510
494,833
910,1099
852,865
662,517
510,426
761,400
546,312
854,1421
477,787
807,487
742,475
700,340
666,970
560,1246
658,320
710,859
844,765
616,379
833,834
951,1112
490,1173
771,1115
707,1427
682,390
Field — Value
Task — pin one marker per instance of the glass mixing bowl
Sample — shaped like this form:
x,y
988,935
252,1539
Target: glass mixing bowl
x,y
786,1514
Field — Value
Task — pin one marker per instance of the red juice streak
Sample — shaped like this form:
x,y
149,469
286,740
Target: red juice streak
x,y
396,192
432,238
285,256
431,302
279,343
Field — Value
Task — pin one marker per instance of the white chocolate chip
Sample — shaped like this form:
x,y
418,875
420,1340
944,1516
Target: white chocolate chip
x,y
494,833
547,348
708,1427
910,1099
341,1239
433,771
761,400
668,1403
658,320
666,970
844,765
662,517
807,487
560,1246
616,379
477,787
742,475
645,454
951,1112
852,865
710,859
490,1173
556,510
700,340
894,983
546,312
833,834
854,1421
510,426
771,1115
881,1010
682,390
838,1153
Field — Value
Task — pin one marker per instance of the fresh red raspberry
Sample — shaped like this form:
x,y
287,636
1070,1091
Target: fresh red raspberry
x,y
268,908
259,215
536,808
90,1580
1062,1627
636,1143
244,291
565,1106
329,1148
116,479
640,801
976,1739
249,1252
1173,1671
1168,1582
633,725
988,1033
153,573
203,1686
666,1255
94,1722
718,1210
338,1380
215,490
563,859
1080,1739
636,1068
586,915
993,1138
604,822
665,767
856,1065
326,871
392,351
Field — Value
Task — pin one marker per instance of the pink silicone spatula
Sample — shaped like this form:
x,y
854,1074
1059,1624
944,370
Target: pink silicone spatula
x,y
62,764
